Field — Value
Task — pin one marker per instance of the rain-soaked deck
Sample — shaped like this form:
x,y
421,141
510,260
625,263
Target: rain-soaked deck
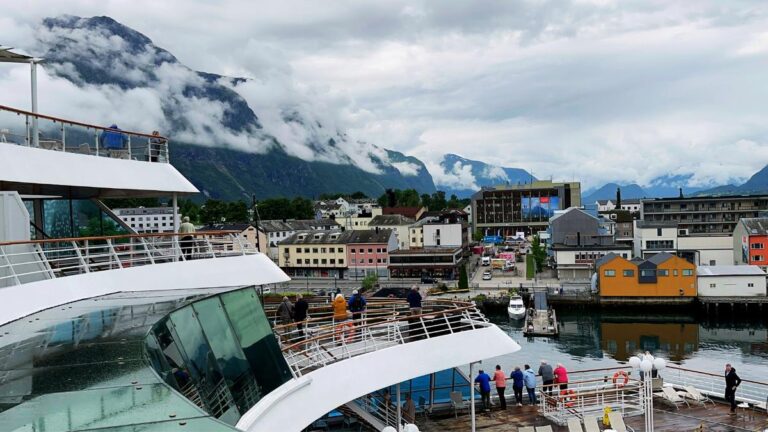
x,y
666,419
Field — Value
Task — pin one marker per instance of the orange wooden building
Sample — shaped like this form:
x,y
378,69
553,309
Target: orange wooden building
x,y
662,275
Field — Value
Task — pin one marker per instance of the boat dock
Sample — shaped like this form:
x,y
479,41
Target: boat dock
x,y
540,323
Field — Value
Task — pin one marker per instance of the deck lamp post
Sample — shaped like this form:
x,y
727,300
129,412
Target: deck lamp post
x,y
646,364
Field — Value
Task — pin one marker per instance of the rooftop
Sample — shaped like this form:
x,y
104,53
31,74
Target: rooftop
x,y
704,198
660,258
411,212
755,226
339,237
426,251
730,270
274,225
657,224
391,219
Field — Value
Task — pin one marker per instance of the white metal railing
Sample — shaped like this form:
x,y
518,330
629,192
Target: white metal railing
x,y
30,261
381,408
589,392
71,136
325,340
753,392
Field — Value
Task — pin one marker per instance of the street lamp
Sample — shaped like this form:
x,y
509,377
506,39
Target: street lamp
x,y
646,364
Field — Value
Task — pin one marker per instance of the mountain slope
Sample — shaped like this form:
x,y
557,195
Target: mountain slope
x,y
757,184
226,138
463,177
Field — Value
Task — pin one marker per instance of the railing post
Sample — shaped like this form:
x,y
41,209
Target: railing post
x,y
424,326
129,146
44,259
114,253
63,138
10,266
80,257
239,242
148,252
210,246
96,139
29,132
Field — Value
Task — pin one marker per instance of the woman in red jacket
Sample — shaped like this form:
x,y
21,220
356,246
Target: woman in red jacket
x,y
561,376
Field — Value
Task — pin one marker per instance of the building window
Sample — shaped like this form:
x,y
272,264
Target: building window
x,y
658,232
687,272
756,246
674,272
323,261
413,239
298,250
314,250
370,250
333,261
757,257
647,273
322,250
712,262
314,261
609,273
750,285
352,251
354,261
663,272
370,260
628,273
306,250
339,250
341,261
624,256
713,285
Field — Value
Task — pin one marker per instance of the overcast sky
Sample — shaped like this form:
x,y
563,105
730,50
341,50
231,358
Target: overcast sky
x,y
593,90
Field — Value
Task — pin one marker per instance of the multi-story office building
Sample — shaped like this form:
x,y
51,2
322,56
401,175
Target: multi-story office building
x,y
507,209
711,216
148,219
750,242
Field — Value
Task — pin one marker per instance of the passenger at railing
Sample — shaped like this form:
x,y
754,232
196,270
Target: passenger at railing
x,y
339,308
157,147
529,378
732,381
414,300
561,376
285,311
409,409
517,385
501,385
547,377
112,139
483,382
356,305
300,310
187,241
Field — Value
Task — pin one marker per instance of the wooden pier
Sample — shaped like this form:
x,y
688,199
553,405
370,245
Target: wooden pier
x,y
540,323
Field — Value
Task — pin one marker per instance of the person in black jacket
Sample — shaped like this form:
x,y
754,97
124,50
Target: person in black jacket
x,y
300,313
731,382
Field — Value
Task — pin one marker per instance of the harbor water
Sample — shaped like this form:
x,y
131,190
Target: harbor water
x,y
598,339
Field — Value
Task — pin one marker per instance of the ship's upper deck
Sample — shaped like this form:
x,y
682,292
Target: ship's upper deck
x,y
80,160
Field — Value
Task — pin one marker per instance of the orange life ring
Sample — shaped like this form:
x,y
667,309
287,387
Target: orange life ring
x,y
568,396
616,378
345,331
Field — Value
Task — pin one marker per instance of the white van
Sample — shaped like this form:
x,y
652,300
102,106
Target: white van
x,y
486,261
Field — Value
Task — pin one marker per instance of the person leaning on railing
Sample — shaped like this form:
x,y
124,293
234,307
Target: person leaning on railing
x,y
112,139
187,241
157,147
414,300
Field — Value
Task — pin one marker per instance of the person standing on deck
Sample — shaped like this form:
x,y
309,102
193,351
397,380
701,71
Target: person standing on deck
x,y
187,242
285,311
501,386
732,381
561,376
339,308
547,377
484,382
414,300
529,378
356,305
300,310
517,385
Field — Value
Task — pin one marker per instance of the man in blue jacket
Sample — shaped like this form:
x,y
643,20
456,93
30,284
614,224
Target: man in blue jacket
x,y
112,138
356,305
529,378
484,382
414,300
517,385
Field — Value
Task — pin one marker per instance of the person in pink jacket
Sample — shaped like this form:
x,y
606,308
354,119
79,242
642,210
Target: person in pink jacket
x,y
561,376
501,384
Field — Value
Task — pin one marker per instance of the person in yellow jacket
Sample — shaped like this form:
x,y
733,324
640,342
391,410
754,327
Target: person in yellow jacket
x,y
339,308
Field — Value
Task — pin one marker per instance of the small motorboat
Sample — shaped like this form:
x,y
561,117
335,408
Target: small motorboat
x,y
516,308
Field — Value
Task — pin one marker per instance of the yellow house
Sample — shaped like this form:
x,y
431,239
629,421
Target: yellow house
x,y
314,254
662,275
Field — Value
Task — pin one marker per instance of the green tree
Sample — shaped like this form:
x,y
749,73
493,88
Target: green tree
x,y
538,253
358,195
438,201
454,203
408,198
426,201
478,235
463,279
302,208
190,209
369,282
213,211
236,211
98,226
275,208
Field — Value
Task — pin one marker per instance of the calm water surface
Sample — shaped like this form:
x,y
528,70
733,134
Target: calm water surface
x,y
590,339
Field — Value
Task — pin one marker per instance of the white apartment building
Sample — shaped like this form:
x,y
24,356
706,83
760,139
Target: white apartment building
x,y
651,238
148,219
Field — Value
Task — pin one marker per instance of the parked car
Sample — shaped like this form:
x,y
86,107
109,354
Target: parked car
x,y
487,275
486,260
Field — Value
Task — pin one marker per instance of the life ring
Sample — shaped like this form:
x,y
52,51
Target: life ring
x,y
345,331
616,378
568,396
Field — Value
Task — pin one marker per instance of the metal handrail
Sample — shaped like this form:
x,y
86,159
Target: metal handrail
x,y
155,149
328,340
30,261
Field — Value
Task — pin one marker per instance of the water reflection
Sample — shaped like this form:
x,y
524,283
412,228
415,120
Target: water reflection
x,y
592,339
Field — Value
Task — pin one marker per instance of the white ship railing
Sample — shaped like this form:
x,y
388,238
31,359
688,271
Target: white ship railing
x,y
30,261
753,392
325,340
71,136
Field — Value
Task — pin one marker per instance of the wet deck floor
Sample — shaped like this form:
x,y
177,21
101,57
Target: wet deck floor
x,y
666,419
